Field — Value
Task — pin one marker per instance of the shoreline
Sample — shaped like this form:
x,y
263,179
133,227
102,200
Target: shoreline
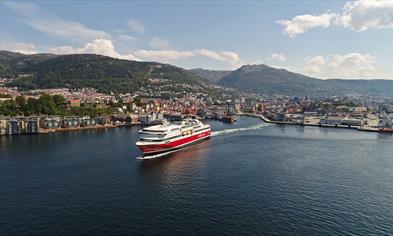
x,y
358,128
93,127
48,131
257,116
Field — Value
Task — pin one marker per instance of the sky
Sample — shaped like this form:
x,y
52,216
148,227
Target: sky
x,y
322,39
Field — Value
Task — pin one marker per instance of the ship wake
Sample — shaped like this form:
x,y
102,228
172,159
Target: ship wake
x,y
229,131
214,133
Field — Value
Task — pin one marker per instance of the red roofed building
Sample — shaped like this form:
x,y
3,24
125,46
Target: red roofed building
x,y
75,103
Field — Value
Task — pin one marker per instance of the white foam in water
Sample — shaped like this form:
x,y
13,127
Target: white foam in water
x,y
157,155
229,131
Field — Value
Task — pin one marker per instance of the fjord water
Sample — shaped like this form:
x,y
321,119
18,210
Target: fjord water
x,y
250,178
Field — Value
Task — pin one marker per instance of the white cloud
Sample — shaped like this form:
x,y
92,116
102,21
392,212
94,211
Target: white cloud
x,y
53,25
106,47
210,54
230,58
159,43
358,16
367,14
302,23
313,65
163,55
278,56
97,46
25,48
353,64
345,66
125,38
136,25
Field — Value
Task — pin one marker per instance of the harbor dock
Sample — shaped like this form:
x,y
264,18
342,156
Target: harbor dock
x,y
338,126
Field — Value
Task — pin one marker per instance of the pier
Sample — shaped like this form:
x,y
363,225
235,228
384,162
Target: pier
x,y
266,120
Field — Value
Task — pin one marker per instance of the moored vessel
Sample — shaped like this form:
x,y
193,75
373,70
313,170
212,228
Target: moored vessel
x,y
386,130
171,136
229,119
385,124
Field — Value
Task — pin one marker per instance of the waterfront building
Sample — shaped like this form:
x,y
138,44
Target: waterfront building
x,y
32,126
134,118
51,122
331,120
75,102
121,119
88,122
352,122
3,125
310,113
151,118
71,122
14,127
360,109
102,120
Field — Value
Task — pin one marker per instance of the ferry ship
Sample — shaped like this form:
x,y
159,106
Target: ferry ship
x,y
171,136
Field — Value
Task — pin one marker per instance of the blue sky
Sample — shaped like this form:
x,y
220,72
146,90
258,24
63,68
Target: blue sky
x,y
324,39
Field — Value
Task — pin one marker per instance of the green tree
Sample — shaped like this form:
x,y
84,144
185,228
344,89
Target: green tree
x,y
31,107
59,100
9,108
47,105
20,101
61,103
138,101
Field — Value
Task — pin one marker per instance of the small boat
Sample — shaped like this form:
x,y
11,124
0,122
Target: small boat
x,y
171,136
229,119
386,130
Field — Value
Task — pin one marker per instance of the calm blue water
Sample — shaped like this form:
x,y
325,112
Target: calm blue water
x,y
249,179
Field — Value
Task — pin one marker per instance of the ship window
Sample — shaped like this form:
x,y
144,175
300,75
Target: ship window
x,y
152,131
159,140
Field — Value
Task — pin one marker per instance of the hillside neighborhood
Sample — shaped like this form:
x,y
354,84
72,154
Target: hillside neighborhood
x,y
42,93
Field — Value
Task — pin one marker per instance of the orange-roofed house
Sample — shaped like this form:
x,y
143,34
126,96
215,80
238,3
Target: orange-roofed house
x,y
75,103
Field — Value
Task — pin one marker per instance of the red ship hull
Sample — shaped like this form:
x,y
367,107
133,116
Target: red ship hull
x,y
179,143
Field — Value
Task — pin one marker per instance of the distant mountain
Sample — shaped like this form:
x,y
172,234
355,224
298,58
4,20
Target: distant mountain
x,y
268,80
211,75
114,75
369,87
89,70
12,62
